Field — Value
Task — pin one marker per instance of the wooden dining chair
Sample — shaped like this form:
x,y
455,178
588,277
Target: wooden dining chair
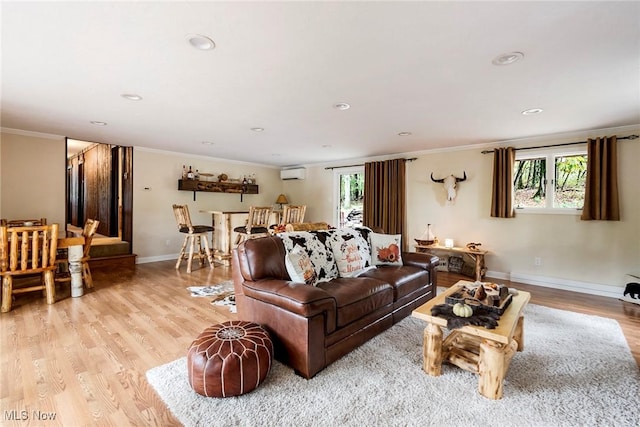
x,y
293,214
257,224
27,251
196,235
23,222
62,272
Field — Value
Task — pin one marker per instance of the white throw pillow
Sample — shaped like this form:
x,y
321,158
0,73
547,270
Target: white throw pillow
x,y
385,249
350,250
349,258
299,266
320,254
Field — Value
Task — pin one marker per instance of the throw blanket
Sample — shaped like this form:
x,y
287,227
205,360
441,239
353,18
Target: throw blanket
x,y
480,317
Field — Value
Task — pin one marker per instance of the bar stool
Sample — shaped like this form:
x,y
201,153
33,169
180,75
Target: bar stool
x,y
195,235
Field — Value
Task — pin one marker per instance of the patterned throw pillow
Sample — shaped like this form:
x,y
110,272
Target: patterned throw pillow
x,y
322,258
385,249
299,266
351,251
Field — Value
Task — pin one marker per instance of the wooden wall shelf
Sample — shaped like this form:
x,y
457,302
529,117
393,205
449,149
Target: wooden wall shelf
x,y
216,187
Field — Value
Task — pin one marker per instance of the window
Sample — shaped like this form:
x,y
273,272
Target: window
x,y
550,182
349,197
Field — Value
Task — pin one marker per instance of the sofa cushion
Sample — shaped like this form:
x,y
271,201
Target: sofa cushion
x,y
322,258
357,296
403,279
299,266
385,249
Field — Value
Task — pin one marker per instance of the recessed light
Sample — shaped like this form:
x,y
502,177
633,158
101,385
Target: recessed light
x,y
257,129
131,96
97,123
507,58
532,111
404,134
341,106
200,42
208,142
275,155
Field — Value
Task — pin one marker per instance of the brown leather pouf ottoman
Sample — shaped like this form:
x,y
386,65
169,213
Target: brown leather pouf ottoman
x,y
229,359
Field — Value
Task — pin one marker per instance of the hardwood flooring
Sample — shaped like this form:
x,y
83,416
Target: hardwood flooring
x,y
82,361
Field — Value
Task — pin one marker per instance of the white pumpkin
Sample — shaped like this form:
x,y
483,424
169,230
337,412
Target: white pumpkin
x,y
462,310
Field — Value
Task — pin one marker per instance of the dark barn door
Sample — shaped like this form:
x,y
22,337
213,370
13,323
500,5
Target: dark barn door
x,y
100,186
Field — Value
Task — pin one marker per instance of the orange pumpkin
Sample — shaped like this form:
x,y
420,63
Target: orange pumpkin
x,y
390,254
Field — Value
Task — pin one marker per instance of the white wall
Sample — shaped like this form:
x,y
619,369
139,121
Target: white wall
x,y
153,222
315,191
32,176
592,256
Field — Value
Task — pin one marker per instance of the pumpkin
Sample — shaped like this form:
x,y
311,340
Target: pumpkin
x,y
462,310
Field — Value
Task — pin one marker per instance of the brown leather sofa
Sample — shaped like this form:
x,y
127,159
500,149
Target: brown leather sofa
x,y
313,326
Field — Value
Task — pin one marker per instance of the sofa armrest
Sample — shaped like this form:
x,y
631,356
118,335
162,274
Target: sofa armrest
x,y
303,300
420,260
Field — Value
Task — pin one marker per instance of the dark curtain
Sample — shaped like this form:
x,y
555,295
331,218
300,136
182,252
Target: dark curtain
x,y
502,194
601,192
384,196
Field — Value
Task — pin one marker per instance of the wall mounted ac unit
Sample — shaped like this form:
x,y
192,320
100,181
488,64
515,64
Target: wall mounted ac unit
x,y
296,173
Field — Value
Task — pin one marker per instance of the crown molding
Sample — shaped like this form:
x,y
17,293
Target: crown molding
x,y
620,131
31,133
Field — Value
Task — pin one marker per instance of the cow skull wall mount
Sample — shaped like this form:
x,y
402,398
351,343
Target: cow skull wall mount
x,y
450,184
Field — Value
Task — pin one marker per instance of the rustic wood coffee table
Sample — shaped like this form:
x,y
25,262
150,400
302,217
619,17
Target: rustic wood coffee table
x,y
486,352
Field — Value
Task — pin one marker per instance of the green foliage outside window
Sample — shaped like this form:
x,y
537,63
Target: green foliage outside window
x,y
351,198
531,179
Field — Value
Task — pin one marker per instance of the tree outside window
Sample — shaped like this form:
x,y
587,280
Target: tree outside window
x,y
552,181
351,199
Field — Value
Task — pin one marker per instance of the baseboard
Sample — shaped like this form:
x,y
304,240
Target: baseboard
x,y
144,260
567,285
498,275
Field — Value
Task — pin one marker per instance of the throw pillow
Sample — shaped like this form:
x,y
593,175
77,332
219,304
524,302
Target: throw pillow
x,y
350,262
321,257
351,251
299,266
385,249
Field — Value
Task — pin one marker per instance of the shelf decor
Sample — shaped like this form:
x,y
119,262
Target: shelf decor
x,y
217,187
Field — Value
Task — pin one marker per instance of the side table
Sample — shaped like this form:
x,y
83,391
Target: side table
x,y
477,255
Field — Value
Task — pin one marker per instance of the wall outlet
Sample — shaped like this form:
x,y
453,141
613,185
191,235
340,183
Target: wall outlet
x,y
537,261
168,242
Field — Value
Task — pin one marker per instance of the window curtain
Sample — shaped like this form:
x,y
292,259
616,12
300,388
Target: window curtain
x,y
502,194
601,192
384,196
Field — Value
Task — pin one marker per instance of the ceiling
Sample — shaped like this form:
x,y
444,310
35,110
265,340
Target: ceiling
x,y
419,67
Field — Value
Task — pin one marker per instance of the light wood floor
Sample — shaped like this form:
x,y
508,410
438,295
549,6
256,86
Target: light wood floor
x,y
83,360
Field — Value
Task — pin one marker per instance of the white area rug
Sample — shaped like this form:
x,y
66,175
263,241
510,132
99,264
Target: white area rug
x,y
576,370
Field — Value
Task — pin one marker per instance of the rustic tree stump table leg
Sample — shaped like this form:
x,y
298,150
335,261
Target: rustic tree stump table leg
x,y
519,333
75,254
492,368
432,350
